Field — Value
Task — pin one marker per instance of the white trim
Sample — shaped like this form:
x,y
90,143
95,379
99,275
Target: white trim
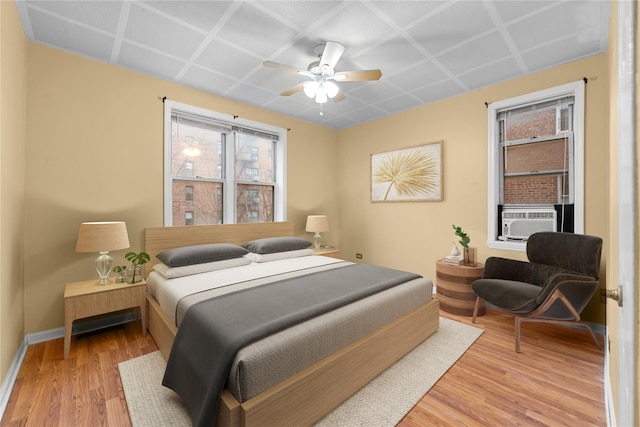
x,y
10,378
609,406
493,179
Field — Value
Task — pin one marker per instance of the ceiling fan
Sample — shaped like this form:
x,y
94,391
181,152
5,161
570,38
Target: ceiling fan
x,y
322,74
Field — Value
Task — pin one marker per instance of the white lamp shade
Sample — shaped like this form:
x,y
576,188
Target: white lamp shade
x,y
310,88
331,88
321,96
317,223
102,236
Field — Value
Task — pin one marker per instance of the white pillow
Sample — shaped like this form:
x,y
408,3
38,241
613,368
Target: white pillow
x,y
188,270
279,255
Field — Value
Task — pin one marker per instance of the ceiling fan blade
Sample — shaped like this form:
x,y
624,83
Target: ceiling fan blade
x,y
295,89
356,76
332,53
279,66
339,97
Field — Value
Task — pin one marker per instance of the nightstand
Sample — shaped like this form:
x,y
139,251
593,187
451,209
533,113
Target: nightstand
x,y
453,287
330,252
89,298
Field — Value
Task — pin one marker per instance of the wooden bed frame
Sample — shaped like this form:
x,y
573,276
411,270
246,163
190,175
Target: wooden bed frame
x,y
311,394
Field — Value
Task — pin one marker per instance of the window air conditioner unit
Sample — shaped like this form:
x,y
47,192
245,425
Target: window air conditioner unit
x,y
519,224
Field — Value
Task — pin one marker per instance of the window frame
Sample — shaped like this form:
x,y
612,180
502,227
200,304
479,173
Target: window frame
x,y
575,89
228,181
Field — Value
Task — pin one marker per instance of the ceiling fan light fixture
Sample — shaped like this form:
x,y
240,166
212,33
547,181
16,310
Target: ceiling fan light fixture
x,y
331,89
311,88
321,96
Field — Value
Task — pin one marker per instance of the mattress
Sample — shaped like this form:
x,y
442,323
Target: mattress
x,y
267,362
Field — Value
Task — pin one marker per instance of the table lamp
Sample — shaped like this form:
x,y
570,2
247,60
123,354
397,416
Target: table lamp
x,y
102,237
317,224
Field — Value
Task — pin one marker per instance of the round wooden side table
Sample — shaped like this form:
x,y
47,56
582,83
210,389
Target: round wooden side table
x,y
453,288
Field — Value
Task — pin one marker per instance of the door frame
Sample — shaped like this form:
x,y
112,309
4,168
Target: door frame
x,y
627,214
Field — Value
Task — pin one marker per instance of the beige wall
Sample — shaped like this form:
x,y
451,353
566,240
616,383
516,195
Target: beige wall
x,y
13,54
95,152
413,236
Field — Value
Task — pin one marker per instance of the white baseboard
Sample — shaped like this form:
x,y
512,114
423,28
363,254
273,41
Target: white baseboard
x,y
609,407
10,378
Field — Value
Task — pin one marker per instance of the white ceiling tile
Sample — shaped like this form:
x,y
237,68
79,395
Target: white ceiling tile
x,y
254,31
452,26
556,53
566,19
226,59
404,13
155,31
254,94
300,14
65,35
496,72
366,113
374,92
510,10
395,53
356,27
199,14
401,102
150,62
425,72
437,91
475,53
103,15
207,80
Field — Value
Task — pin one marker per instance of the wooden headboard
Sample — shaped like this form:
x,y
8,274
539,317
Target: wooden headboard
x,y
158,239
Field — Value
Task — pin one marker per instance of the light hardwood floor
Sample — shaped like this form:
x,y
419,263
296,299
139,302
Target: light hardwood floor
x,y
557,380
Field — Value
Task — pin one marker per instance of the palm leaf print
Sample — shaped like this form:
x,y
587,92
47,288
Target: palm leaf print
x,y
411,173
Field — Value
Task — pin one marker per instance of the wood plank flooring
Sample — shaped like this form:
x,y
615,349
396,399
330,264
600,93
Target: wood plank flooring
x,y
557,380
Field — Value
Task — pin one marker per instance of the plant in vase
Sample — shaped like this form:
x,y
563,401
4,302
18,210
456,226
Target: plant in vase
x,y
469,256
120,270
138,260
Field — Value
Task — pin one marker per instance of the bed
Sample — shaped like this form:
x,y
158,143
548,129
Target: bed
x,y
307,393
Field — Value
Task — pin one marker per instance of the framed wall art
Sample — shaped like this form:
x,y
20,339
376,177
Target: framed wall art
x,y
412,174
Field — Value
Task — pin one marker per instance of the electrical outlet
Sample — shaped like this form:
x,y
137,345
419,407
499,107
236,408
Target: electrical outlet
x,y
359,256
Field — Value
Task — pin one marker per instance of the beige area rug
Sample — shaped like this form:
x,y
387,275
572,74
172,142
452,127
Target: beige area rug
x,y
383,402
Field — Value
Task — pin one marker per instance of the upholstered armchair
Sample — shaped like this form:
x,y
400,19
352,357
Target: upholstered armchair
x,y
554,286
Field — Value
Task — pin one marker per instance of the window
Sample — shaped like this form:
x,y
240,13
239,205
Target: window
x,y
188,193
536,165
188,218
221,169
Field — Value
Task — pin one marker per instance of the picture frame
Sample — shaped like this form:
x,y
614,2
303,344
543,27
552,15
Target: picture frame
x,y
412,174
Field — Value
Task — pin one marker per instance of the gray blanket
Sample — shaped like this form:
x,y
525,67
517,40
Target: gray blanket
x,y
213,331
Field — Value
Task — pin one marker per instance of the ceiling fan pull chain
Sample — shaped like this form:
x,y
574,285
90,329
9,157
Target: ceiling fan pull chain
x,y
321,113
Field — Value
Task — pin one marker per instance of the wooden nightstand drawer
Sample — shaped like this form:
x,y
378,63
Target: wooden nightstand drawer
x,y
106,302
89,298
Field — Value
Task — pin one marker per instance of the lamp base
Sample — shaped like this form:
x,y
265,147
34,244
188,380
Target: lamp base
x,y
103,266
316,240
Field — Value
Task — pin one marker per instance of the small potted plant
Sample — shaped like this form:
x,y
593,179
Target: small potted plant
x,y
138,260
469,254
120,270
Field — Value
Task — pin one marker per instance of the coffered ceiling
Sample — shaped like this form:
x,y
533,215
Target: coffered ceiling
x,y
426,50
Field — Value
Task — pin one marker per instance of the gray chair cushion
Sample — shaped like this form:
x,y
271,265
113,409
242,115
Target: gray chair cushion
x,y
517,297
